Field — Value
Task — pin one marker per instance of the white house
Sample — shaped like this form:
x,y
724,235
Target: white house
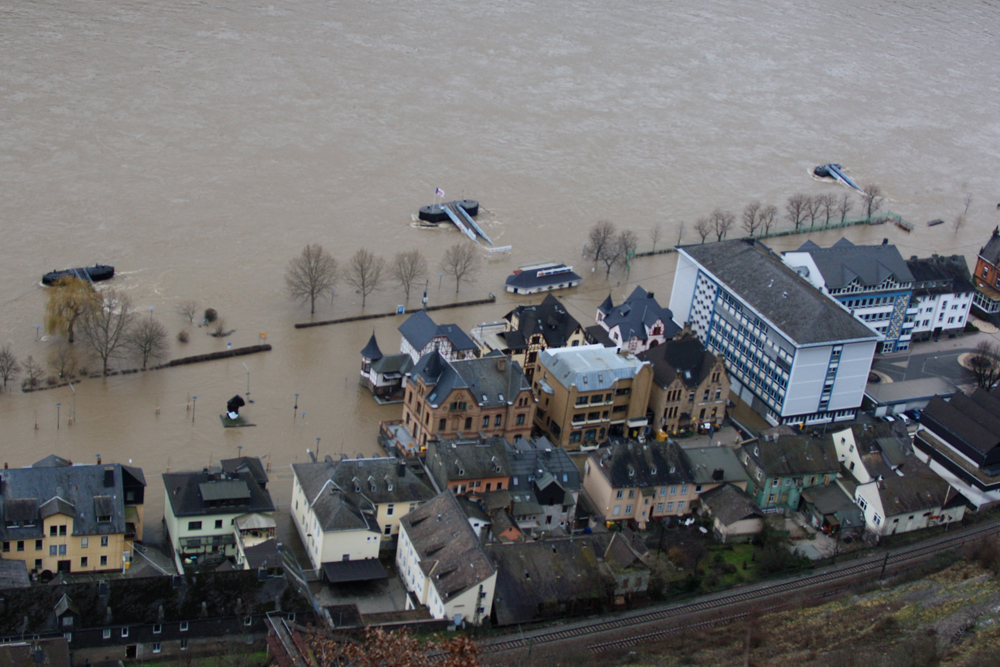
x,y
542,277
420,335
792,353
442,563
942,295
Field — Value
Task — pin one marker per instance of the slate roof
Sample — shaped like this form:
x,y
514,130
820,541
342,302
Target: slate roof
x,y
991,251
759,277
343,494
420,329
529,278
970,424
541,460
490,385
535,578
467,459
637,313
393,363
643,465
715,464
549,318
449,551
843,263
685,357
940,275
730,504
371,350
589,367
31,494
789,455
915,487
214,491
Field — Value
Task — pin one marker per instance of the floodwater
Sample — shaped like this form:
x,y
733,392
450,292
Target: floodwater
x,y
198,146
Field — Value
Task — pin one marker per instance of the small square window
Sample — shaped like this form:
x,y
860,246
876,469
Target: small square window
x,y
157,628
84,542
62,549
184,626
248,621
107,633
104,561
218,523
124,632
62,530
83,561
38,545
156,647
104,540
20,545
53,550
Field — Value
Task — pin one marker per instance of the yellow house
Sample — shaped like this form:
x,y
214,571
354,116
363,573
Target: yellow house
x,y
60,517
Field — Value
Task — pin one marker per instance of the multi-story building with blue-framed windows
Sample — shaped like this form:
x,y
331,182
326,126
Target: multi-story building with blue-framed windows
x,y
793,354
872,281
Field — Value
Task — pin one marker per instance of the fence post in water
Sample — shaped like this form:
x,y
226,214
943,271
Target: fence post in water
x,y
194,405
295,410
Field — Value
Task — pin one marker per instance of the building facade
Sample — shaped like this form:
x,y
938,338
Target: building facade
x,y
420,335
792,353
942,295
781,467
637,324
589,393
987,277
690,387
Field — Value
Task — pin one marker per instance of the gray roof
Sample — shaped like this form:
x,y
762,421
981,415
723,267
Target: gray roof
x,y
970,424
544,463
991,251
250,464
789,455
549,319
393,363
343,493
32,494
527,279
685,357
467,459
420,329
730,504
758,276
493,380
371,350
940,275
449,551
637,313
904,391
214,491
715,464
632,464
843,263
589,367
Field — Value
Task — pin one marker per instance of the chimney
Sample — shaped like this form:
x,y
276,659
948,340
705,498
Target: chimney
x,y
502,364
98,459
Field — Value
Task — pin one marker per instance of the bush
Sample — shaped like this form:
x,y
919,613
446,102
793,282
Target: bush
x,y
183,337
211,315
52,380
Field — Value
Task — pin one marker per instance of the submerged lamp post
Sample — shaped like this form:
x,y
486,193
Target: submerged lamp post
x,y
57,415
248,380
74,401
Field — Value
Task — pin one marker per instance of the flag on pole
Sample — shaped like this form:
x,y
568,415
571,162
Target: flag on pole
x,y
439,192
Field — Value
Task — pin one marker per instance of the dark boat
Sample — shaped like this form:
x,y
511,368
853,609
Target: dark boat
x,y
90,274
835,171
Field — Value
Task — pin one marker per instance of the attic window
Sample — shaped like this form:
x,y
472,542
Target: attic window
x,y
653,471
500,396
631,472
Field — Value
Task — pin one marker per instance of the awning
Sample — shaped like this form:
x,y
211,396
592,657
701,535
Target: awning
x,y
341,572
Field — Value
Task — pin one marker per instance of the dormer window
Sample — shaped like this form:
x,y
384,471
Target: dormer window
x,y
653,471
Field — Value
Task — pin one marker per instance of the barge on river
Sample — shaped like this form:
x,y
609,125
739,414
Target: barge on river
x,y
91,274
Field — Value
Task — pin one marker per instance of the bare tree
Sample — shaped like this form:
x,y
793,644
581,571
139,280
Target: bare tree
x,y
704,227
104,330
751,217
680,232
825,205
960,218
69,299
600,241
654,234
797,208
408,268
188,309
872,200
148,341
310,274
844,206
33,373
365,272
768,216
812,210
63,361
626,242
722,222
9,366
461,262
985,363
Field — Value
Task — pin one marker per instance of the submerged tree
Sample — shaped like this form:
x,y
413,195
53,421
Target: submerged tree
x,y
872,200
722,222
9,366
148,341
797,207
703,226
654,234
751,217
188,309
768,216
407,269
600,241
845,203
69,300
461,262
364,272
105,330
310,274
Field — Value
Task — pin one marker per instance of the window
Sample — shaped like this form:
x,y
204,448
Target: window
x,y
442,424
684,490
184,626
498,420
62,530
468,423
52,550
218,523
156,647
520,420
680,506
107,633
38,563
104,561
486,421
20,545
124,632
6,547
877,519
631,493
628,509
663,490
388,529
83,561
104,540
184,644
620,494
192,525
53,531
617,510
38,545
157,628
389,509
84,542
862,503
659,507
670,507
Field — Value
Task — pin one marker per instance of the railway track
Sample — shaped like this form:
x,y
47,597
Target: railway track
x,y
882,562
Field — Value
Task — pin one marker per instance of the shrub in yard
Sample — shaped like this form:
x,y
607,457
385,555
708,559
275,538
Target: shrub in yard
x,y
183,337
211,315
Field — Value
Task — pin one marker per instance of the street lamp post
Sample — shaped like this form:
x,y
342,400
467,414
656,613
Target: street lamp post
x,y
248,381
74,401
194,406
57,415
